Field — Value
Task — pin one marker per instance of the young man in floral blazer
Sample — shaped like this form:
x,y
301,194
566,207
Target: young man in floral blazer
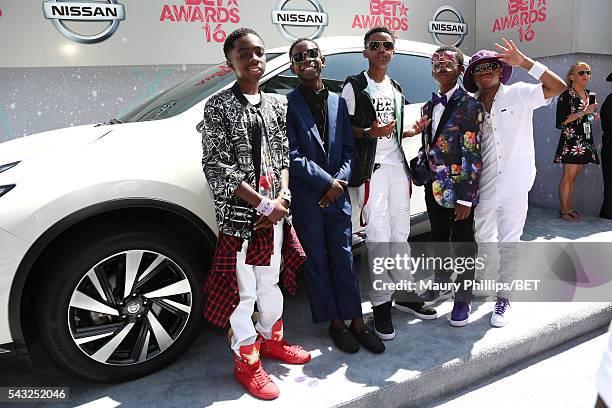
x,y
453,140
246,163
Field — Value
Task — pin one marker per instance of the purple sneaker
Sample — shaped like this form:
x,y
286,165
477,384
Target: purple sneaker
x,y
460,313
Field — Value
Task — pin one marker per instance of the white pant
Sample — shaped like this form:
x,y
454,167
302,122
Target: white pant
x,y
500,220
387,214
257,284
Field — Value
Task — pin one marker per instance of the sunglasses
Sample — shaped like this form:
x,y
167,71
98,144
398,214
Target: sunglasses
x,y
438,66
486,67
375,45
581,73
311,54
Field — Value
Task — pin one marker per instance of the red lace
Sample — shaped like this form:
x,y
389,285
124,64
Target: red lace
x,y
291,348
260,377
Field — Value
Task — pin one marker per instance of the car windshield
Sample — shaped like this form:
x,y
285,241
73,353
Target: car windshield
x,y
184,95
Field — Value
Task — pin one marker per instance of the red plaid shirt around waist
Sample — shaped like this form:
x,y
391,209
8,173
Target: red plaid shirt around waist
x,y
221,286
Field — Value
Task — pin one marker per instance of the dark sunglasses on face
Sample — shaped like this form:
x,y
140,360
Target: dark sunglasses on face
x,y
375,45
486,67
311,54
581,73
438,66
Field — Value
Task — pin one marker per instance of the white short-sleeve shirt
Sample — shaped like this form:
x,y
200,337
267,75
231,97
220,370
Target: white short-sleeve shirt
x,y
507,147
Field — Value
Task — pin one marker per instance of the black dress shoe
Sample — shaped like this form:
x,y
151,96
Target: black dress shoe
x,y
369,340
344,339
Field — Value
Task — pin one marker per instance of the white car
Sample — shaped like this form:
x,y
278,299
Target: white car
x,y
107,231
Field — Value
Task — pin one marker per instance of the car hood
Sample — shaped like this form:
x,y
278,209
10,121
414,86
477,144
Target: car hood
x,y
51,142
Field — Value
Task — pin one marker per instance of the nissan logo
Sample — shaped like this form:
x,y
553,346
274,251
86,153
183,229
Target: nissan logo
x,y
59,11
284,17
133,308
437,26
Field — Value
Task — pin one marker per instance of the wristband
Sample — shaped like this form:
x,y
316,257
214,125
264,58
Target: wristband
x,y
366,132
537,70
265,207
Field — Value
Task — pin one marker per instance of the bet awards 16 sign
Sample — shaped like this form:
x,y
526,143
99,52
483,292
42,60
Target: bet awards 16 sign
x,y
390,13
524,15
215,13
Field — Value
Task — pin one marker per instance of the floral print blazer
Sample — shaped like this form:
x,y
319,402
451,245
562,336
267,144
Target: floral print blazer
x,y
454,151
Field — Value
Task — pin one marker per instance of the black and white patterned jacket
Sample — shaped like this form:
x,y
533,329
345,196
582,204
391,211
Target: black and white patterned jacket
x,y
227,160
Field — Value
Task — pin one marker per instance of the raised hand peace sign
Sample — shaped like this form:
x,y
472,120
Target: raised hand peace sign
x,y
510,54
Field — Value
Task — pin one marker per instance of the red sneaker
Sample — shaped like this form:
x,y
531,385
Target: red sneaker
x,y
277,348
249,372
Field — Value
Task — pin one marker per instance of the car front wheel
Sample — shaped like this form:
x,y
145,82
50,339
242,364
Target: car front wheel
x,y
121,301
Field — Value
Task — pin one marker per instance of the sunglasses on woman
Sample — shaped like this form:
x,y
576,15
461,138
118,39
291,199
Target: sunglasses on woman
x,y
486,67
311,54
375,45
581,73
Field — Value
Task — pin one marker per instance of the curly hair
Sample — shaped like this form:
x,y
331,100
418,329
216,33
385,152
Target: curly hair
x,y
234,36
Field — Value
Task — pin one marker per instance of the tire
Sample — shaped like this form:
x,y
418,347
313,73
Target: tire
x,y
93,330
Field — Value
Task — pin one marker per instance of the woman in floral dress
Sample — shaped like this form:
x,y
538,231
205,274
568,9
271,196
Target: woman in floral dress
x,y
576,148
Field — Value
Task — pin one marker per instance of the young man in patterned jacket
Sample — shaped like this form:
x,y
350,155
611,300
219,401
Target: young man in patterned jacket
x,y
246,163
453,143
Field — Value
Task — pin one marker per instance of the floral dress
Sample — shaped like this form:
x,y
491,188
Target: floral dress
x,y
575,146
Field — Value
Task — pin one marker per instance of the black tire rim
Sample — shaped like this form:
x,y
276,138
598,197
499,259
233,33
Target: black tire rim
x,y
129,308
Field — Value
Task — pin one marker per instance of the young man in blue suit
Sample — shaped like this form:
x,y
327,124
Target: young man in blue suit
x,y
453,141
321,150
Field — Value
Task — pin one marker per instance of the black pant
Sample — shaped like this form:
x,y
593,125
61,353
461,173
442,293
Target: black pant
x,y
606,168
444,228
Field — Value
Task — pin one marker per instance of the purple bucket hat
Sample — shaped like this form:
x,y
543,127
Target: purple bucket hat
x,y
468,78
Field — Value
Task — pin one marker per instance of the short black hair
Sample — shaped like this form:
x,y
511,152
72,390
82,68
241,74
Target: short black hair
x,y
299,40
452,48
377,29
235,35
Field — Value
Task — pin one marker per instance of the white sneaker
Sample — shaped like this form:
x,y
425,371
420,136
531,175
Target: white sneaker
x,y
501,313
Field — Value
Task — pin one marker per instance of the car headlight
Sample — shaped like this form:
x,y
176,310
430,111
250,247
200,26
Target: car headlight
x,y
6,189
5,167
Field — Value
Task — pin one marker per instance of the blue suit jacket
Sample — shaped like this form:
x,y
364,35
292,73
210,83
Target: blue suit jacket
x,y
312,164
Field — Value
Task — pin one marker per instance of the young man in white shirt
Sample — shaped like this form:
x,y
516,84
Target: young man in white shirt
x,y
375,105
507,148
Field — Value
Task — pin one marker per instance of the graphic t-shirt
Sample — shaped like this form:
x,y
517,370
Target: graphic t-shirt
x,y
383,100
266,186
